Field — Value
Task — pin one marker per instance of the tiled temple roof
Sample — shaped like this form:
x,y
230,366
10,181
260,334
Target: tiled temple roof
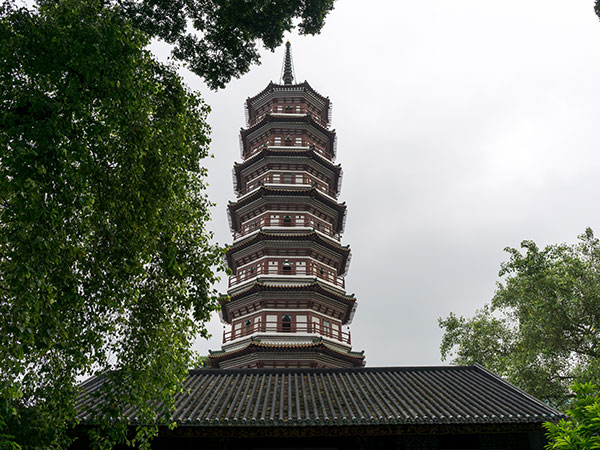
x,y
264,192
304,236
312,286
301,87
283,119
295,152
310,192
318,346
361,396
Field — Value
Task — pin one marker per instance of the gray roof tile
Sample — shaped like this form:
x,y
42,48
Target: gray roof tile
x,y
389,395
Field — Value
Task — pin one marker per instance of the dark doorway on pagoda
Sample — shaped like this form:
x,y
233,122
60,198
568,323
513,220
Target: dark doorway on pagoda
x,y
286,323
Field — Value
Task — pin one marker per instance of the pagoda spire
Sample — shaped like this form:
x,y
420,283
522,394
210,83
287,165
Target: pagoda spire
x,y
288,69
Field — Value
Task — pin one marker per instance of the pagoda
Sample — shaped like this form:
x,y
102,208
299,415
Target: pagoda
x,y
287,306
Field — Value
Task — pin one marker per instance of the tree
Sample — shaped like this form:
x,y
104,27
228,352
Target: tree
x,y
105,261
581,431
542,328
106,266
222,36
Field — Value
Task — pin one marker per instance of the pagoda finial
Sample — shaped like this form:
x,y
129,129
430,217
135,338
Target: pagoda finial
x,y
288,67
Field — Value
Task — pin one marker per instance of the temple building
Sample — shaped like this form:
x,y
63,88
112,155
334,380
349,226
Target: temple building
x,y
287,303
286,376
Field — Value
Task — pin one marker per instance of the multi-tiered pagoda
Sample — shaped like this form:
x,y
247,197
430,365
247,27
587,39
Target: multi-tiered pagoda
x,y
287,304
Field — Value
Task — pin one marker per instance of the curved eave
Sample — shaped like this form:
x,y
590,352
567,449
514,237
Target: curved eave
x,y
273,87
270,152
315,286
311,236
357,359
311,192
306,119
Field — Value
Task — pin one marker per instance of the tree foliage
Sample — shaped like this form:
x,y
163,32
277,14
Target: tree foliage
x,y
542,328
106,265
218,38
581,431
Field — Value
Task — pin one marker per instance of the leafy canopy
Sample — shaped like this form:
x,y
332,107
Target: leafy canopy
x,y
106,266
582,430
218,38
542,328
105,260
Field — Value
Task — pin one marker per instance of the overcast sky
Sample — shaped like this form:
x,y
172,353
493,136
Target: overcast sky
x,y
463,127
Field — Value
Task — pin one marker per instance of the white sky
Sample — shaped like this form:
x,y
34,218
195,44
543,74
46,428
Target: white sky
x,y
463,127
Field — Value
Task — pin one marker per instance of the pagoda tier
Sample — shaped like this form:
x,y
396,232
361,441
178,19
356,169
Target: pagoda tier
x,y
272,164
301,99
285,206
288,130
287,305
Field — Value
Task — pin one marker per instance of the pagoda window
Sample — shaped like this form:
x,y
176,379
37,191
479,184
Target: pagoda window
x,y
335,330
301,267
298,141
279,108
299,179
237,329
297,108
277,140
286,323
315,324
272,267
326,328
287,178
271,322
257,323
287,266
301,323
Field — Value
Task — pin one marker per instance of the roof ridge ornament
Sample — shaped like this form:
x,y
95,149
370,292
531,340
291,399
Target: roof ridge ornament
x,y
287,71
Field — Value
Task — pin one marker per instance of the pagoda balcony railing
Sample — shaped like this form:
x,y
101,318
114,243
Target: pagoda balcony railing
x,y
296,145
287,221
291,271
278,180
292,328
